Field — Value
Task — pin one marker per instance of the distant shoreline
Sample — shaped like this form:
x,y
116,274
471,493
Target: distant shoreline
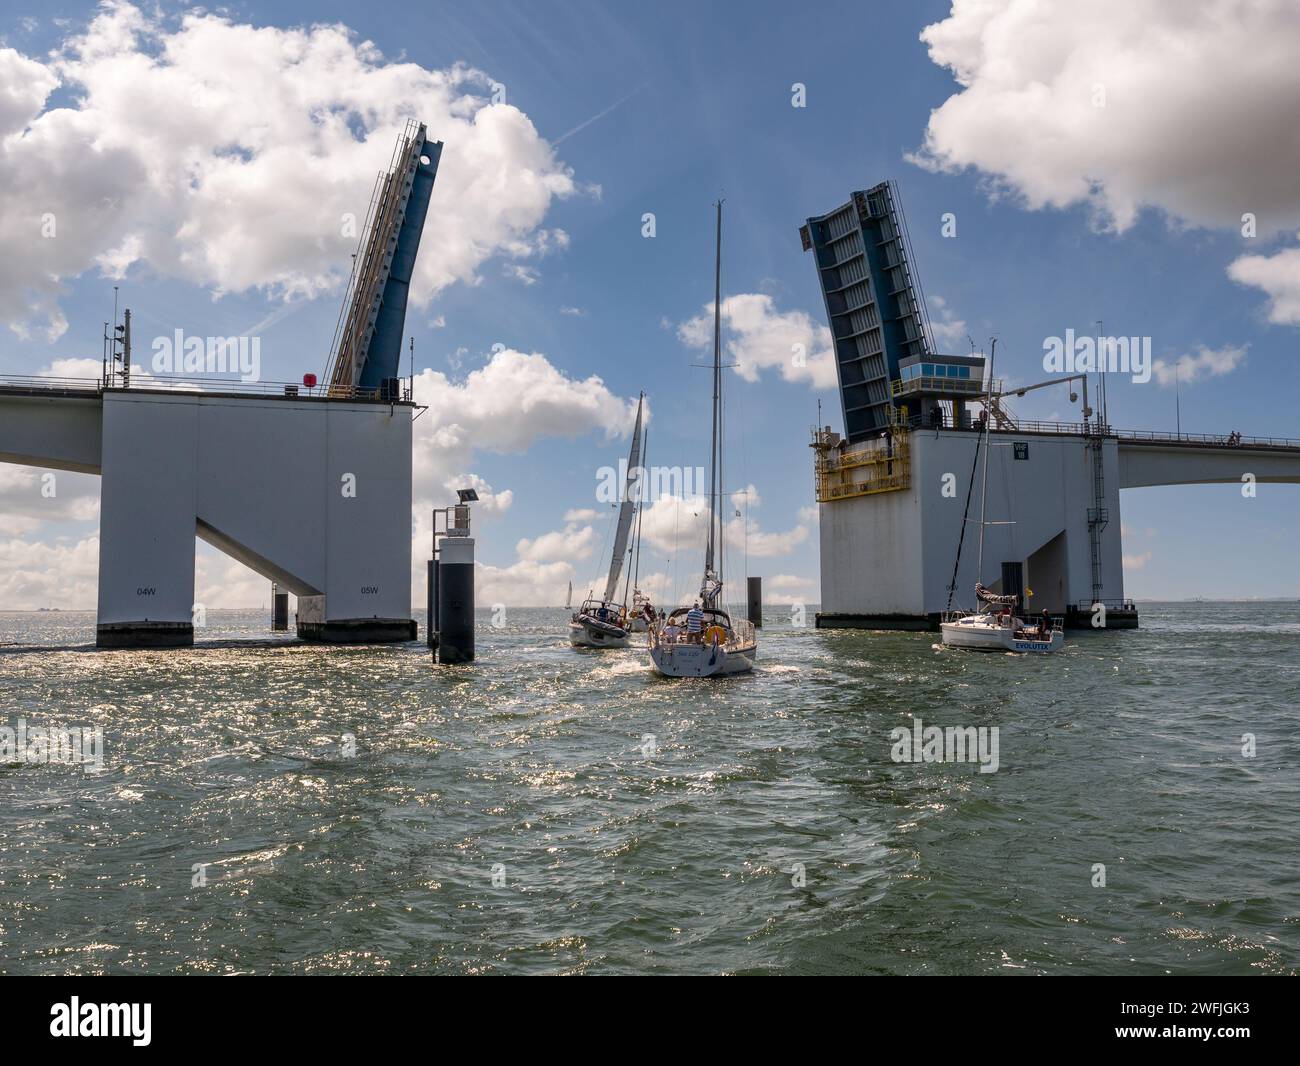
x,y
561,607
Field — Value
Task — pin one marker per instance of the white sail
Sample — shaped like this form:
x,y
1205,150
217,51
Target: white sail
x,y
627,508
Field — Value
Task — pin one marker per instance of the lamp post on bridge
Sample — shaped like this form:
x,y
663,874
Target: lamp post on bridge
x,y
1178,407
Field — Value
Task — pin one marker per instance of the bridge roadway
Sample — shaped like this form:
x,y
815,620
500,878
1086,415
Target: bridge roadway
x,y
1148,458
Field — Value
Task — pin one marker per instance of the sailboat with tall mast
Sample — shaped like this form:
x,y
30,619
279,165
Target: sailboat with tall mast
x,y
703,640
602,622
994,626
641,611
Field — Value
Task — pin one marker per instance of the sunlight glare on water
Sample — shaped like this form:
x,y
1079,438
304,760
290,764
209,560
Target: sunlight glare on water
x,y
548,810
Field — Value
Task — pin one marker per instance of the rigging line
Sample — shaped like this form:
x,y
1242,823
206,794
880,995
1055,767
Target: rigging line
x,y
970,490
984,489
601,557
677,523
1009,499
722,437
627,582
744,473
709,561
636,566
638,505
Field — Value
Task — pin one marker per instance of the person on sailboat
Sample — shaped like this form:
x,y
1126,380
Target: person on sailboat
x,y
694,623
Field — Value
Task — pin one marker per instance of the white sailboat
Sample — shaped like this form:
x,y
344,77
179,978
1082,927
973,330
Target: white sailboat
x,y
602,623
703,640
641,612
568,598
995,626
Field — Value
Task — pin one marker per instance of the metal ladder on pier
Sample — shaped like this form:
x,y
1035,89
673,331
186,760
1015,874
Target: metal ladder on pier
x,y
1098,513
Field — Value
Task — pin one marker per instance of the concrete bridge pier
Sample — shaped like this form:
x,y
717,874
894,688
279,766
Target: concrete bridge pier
x,y
147,526
310,492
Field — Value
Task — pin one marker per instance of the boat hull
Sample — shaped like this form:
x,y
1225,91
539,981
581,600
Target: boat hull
x,y
701,660
974,634
581,636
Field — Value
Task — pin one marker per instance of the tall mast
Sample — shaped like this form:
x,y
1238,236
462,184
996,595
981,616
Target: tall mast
x,y
984,489
634,575
714,447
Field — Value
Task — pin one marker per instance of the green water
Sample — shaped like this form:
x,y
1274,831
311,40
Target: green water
x,y
616,856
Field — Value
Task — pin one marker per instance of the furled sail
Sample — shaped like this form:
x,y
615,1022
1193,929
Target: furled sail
x,y
993,597
627,508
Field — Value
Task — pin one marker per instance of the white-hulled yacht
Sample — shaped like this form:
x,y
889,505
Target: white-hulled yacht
x,y
717,645
995,625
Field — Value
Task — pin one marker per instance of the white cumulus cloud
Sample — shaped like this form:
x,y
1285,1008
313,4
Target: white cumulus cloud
x,y
1279,276
758,336
1125,104
675,524
230,155
1203,363
513,401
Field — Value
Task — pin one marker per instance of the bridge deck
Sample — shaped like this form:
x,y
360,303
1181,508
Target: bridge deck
x,y
1155,437
92,388
1124,436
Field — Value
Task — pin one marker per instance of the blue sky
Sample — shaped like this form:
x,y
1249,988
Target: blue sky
x,y
660,108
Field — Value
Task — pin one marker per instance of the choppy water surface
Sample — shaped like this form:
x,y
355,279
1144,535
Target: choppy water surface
x,y
1126,749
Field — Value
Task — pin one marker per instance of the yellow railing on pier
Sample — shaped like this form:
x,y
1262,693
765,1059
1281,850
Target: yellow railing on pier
x,y
844,471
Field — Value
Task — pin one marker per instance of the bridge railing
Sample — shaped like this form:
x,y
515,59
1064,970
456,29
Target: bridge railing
x,y
51,384
1224,440
401,392
941,420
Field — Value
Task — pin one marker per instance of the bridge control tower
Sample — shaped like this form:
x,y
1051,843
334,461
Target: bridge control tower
x,y
891,487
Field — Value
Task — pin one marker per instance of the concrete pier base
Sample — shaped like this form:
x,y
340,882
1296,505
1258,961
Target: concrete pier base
x,y
144,635
915,623
1116,618
359,631
1074,618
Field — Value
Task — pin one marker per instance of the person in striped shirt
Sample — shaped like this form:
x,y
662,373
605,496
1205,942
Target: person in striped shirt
x,y
694,623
